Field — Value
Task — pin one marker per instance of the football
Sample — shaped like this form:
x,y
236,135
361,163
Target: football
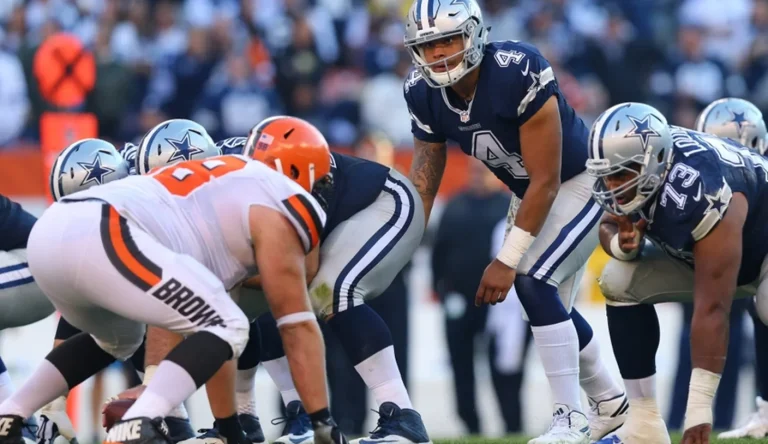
x,y
114,410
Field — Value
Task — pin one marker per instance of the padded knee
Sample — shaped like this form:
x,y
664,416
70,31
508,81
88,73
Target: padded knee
x,y
235,331
614,283
123,348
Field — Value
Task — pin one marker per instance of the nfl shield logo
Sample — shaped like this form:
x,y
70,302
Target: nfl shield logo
x,y
464,117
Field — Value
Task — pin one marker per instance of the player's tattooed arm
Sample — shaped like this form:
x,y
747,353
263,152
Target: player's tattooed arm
x,y
427,170
718,259
541,146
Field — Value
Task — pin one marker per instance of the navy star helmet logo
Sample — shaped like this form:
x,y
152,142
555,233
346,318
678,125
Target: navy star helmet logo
x,y
183,149
95,171
642,129
741,121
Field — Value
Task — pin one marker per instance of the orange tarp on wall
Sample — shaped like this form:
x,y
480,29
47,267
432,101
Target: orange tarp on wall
x,y
21,171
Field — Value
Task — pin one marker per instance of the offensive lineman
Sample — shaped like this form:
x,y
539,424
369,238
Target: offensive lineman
x,y
693,195
742,121
502,104
177,282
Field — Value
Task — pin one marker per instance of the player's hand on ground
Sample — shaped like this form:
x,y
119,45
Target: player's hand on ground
x,y
495,284
630,234
697,435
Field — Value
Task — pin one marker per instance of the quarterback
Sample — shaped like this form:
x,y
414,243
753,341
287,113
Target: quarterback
x,y
700,201
501,103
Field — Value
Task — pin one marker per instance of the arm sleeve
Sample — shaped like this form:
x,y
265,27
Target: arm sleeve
x,y
534,86
421,123
15,225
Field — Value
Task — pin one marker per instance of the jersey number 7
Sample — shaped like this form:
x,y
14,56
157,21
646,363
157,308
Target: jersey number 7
x,y
183,178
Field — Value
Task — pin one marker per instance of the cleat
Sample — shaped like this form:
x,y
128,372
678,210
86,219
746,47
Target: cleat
x,y
252,428
139,431
756,425
396,425
298,427
179,429
568,427
607,416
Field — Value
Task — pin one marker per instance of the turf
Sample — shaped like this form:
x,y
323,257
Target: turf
x,y
517,439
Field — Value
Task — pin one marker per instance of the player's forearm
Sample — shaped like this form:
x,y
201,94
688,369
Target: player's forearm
x,y
426,172
304,348
710,326
159,343
221,390
536,204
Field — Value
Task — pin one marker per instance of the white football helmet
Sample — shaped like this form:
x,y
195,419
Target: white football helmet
x,y
736,119
632,138
84,164
430,20
174,141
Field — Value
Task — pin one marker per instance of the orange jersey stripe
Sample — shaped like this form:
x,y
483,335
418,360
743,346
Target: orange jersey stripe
x,y
125,256
300,208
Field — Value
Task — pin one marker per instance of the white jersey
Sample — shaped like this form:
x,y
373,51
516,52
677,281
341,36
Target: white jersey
x,y
200,208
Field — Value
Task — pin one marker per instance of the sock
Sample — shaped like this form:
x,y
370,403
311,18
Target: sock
x,y
641,388
635,353
555,336
367,341
761,355
170,386
6,385
245,393
280,373
558,349
44,385
179,412
594,376
635,336
382,376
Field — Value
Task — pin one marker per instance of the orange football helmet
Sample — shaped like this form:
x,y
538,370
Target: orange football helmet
x,y
293,147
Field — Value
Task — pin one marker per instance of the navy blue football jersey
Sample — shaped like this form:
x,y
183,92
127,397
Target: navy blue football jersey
x,y
356,183
515,81
15,225
705,172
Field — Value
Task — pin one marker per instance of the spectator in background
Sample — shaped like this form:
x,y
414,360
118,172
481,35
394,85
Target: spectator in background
x,y
233,100
349,395
460,253
174,88
689,74
14,101
756,63
383,92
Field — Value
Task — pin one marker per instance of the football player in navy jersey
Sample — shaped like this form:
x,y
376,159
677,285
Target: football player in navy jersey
x,y
375,223
742,121
501,103
701,201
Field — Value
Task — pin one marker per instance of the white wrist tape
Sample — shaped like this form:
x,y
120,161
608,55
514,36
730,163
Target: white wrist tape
x,y
518,241
149,372
296,318
701,394
618,253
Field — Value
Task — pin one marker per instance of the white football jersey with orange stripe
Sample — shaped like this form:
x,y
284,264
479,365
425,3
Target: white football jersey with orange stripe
x,y
200,208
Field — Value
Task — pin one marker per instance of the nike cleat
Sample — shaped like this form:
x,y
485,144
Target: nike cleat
x,y
398,426
298,427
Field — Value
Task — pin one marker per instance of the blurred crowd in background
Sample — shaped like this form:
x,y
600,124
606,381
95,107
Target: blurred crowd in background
x,y
340,63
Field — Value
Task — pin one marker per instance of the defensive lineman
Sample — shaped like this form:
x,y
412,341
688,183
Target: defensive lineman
x,y
700,199
168,274
502,104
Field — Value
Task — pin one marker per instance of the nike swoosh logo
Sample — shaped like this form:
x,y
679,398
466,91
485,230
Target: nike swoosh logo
x,y
698,195
527,65
297,440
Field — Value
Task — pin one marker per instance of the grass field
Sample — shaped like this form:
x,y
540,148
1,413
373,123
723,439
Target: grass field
x,y
523,440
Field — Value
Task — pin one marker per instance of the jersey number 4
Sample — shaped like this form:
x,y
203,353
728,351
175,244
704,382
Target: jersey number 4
x,y
183,178
486,147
